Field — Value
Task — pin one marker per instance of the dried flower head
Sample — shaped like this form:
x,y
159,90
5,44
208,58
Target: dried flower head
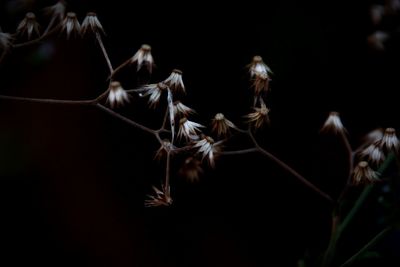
x,y
56,11
363,174
259,117
221,125
159,198
208,149
5,41
181,109
333,123
389,141
191,169
71,25
29,25
257,67
261,83
374,154
175,82
143,57
92,23
154,91
377,40
117,95
189,129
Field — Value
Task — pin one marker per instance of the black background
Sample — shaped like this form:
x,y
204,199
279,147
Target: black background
x,y
74,180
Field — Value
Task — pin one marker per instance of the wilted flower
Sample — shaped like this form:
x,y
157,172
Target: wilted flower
x,y
377,40
29,25
333,123
5,40
174,81
57,11
117,95
181,109
143,57
91,22
191,169
363,174
221,125
257,67
374,154
159,198
207,148
389,141
259,116
154,91
189,129
71,24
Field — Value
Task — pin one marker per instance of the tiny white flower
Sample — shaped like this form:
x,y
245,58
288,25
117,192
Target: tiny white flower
x,y
363,174
71,25
374,154
389,141
117,95
257,67
221,125
143,57
189,129
29,25
92,23
259,117
57,11
175,82
208,149
159,198
154,92
181,109
333,123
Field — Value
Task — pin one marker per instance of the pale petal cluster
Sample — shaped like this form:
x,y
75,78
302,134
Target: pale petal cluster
x,y
175,82
259,72
159,198
221,125
92,23
364,174
182,110
374,154
333,123
154,92
389,141
208,149
259,117
117,95
189,129
143,57
29,25
71,25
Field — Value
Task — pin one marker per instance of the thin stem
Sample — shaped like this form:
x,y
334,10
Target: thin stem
x,y
103,49
117,69
164,121
49,101
239,152
330,251
37,40
349,153
167,170
289,169
125,119
53,19
367,246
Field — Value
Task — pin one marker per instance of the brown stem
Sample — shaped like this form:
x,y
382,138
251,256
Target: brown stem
x,y
49,101
37,40
105,54
117,69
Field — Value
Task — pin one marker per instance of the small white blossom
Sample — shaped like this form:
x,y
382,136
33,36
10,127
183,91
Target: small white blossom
x,y
259,117
374,154
57,11
143,57
92,23
71,25
175,82
389,141
208,149
189,129
257,67
333,123
117,95
181,109
154,92
29,25
221,125
159,198
363,174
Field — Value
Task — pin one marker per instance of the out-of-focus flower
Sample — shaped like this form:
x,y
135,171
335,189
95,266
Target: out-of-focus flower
x,y
208,149
92,23
259,117
377,12
154,91
377,40
374,154
181,109
221,125
333,124
389,141
56,11
143,57
363,174
28,25
117,95
159,198
373,136
71,25
189,129
5,41
191,169
175,82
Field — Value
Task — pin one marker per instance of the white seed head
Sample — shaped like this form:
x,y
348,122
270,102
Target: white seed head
x,y
389,141
71,25
259,117
154,92
117,95
374,154
182,110
175,82
92,23
221,125
363,174
258,68
159,198
143,57
189,129
28,25
333,124
208,149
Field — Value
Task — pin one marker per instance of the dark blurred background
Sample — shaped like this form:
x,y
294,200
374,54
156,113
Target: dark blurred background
x,y
73,180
